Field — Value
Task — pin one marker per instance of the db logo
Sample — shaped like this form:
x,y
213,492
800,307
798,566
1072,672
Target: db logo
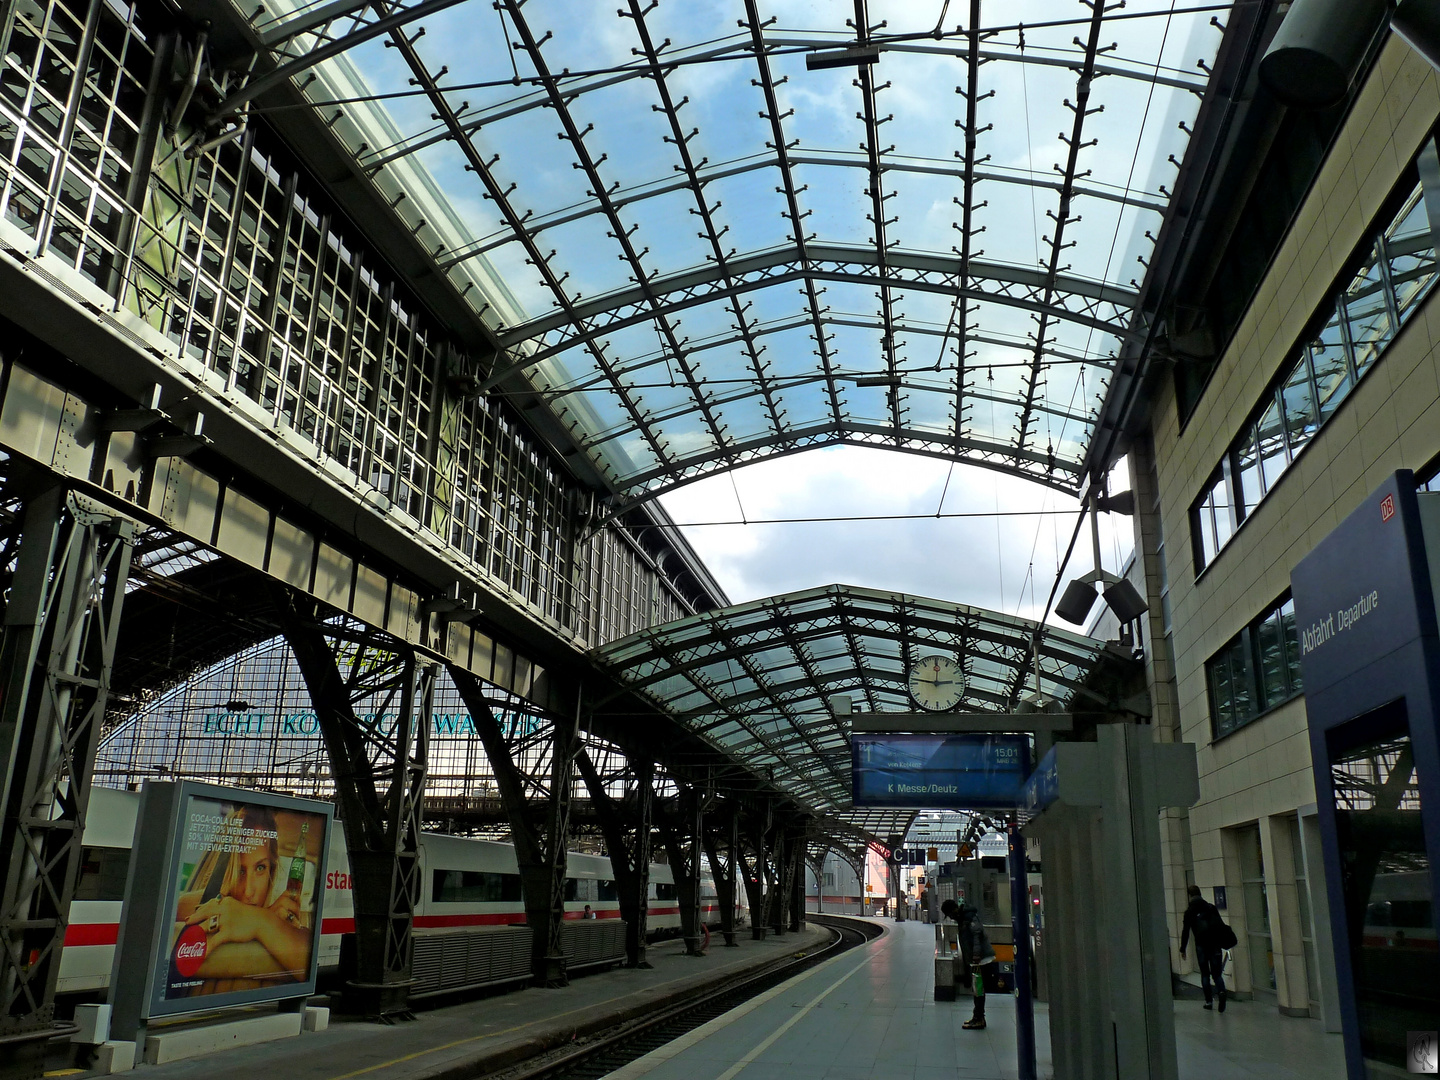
x,y
190,951
1387,508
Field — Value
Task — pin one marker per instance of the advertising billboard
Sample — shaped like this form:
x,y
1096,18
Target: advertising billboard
x,y
238,887
954,772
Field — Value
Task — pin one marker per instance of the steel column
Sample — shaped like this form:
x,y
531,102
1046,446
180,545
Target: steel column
x,y
722,869
342,666
625,824
681,832
56,657
536,839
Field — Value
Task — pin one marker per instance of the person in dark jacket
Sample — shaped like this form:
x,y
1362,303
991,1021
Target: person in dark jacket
x,y
1203,920
975,945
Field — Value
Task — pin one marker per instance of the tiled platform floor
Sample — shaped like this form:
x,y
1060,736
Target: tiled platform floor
x,y
870,1015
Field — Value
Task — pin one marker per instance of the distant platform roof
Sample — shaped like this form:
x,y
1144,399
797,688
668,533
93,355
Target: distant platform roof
x,y
755,679
708,236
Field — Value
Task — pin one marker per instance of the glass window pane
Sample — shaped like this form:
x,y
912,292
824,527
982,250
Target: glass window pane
x,y
1247,468
1410,250
1367,316
1299,403
1332,374
1221,708
1270,639
1292,645
1242,679
1224,512
1270,433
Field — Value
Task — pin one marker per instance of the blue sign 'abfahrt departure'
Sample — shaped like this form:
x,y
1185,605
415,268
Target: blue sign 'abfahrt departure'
x,y
959,772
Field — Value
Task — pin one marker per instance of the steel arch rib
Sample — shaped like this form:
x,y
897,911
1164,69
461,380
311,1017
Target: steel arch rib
x,y
826,262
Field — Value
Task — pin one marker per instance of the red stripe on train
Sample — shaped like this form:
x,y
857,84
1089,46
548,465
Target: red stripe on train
x,y
91,934
83,934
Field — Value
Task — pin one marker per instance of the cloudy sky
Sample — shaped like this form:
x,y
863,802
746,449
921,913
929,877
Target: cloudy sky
x,y
1003,563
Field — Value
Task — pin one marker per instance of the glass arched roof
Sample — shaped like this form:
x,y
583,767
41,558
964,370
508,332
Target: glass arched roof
x,y
713,232
755,679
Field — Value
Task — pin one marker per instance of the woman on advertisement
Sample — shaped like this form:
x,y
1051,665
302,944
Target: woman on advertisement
x,y
247,935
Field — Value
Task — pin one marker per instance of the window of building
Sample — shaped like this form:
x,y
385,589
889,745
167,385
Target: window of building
x,y
1394,269
1255,670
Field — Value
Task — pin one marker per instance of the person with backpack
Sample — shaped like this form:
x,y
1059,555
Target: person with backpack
x,y
975,945
1212,938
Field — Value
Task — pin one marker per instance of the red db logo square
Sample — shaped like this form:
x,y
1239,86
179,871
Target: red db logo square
x,y
1387,508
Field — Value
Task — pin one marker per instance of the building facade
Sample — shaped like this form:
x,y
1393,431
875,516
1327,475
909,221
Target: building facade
x,y
1327,384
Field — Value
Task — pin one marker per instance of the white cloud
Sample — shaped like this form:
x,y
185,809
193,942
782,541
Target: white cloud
x,y
1001,563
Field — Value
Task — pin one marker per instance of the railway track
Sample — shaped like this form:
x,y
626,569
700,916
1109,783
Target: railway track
x,y
601,1055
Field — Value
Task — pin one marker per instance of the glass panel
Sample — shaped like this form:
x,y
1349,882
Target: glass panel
x,y
1270,434
1410,251
1292,646
1242,678
1385,877
1247,468
1365,312
1332,373
1221,706
1269,638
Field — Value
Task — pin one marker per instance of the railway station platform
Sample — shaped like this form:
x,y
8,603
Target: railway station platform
x,y
870,1014
480,1035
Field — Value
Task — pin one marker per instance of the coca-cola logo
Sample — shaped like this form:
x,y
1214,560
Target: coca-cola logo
x,y
190,951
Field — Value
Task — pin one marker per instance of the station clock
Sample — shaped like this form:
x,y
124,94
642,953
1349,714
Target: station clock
x,y
936,683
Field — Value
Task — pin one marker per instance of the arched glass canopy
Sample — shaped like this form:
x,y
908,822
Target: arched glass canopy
x,y
755,679
711,233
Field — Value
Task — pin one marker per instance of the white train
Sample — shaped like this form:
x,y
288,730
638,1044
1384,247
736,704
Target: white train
x,y
469,924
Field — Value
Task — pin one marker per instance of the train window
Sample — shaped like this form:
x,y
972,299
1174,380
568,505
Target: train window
x,y
102,874
474,887
665,890
606,890
572,889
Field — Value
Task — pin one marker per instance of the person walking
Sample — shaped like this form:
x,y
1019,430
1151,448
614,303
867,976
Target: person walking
x,y
1203,920
975,945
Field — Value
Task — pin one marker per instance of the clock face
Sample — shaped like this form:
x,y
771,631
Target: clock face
x,y
936,683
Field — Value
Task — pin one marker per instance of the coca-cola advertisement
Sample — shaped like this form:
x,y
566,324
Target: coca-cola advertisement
x,y
245,903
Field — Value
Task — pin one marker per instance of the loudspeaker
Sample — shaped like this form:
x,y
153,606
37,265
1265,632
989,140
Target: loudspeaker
x,y
1076,603
1125,601
1418,22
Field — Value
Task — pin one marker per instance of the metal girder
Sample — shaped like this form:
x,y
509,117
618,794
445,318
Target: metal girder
x,y
577,85
766,81
588,164
499,194
711,231
388,21
1012,286
1033,465
785,618
1085,76
379,781
640,363
61,619
626,197
870,116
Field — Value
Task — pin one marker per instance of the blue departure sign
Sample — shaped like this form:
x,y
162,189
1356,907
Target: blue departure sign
x,y
942,772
